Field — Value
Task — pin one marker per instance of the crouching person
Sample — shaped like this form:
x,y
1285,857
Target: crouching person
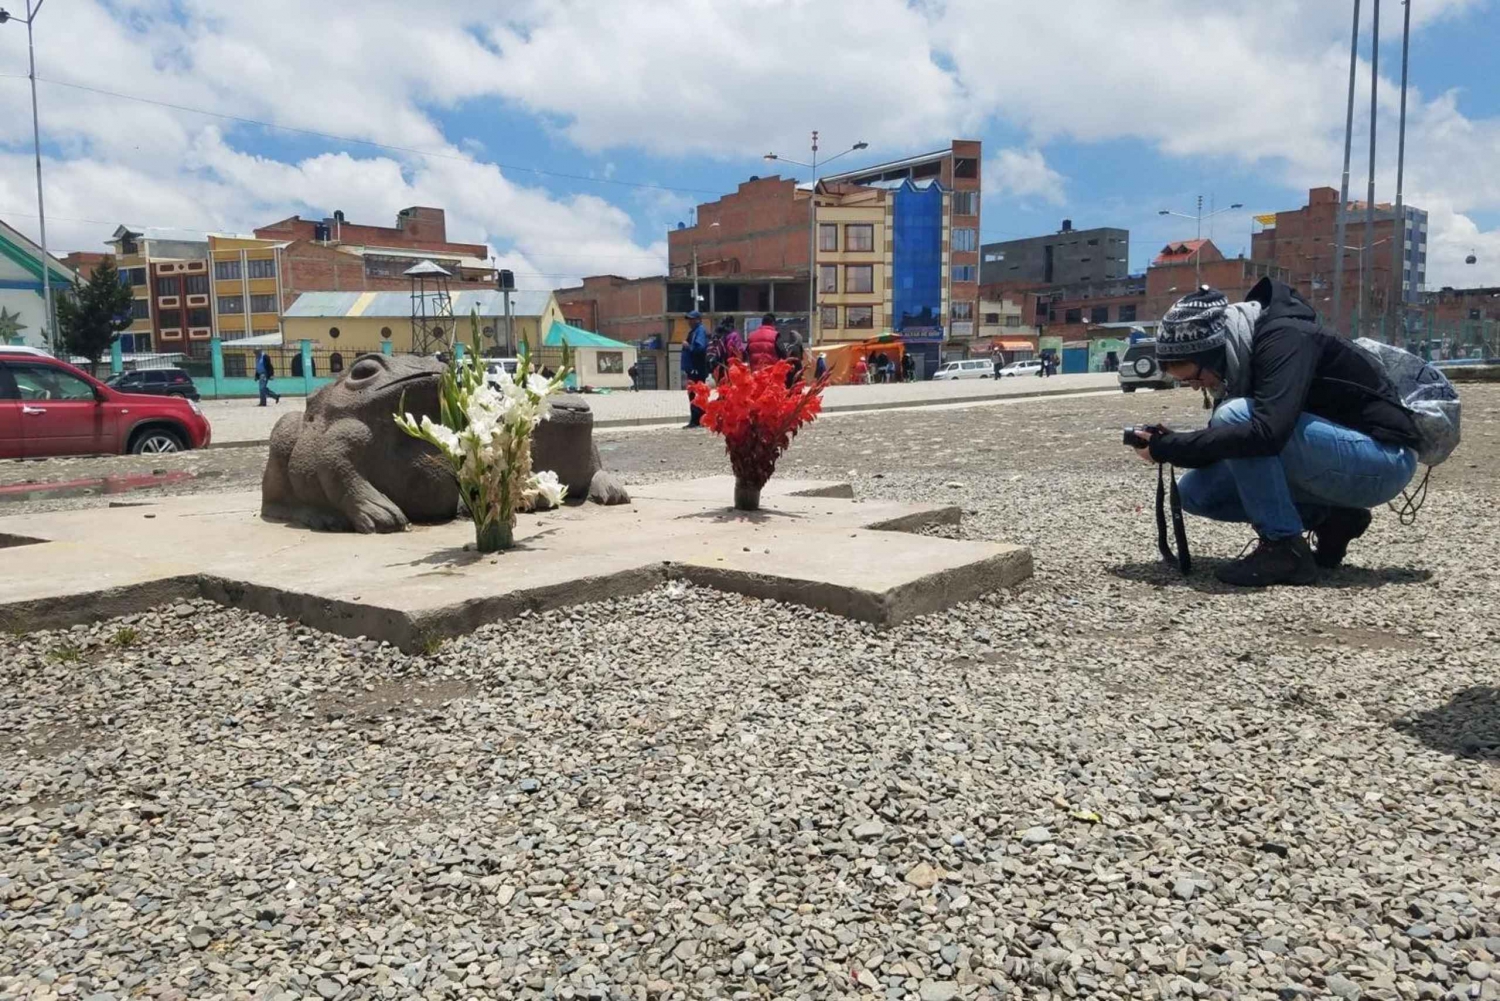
x,y
1308,433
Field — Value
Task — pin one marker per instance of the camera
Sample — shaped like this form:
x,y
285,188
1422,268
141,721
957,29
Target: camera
x,y
1134,437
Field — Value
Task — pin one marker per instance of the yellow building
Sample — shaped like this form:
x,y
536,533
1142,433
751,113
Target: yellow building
x,y
854,263
247,292
355,323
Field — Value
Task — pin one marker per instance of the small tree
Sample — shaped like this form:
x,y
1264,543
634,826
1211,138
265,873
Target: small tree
x,y
91,317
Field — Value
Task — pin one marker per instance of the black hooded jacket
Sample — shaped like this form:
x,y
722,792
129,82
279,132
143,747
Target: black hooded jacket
x,y
1297,366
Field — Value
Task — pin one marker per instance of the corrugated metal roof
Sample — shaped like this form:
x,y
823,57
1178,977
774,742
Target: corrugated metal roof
x,y
398,304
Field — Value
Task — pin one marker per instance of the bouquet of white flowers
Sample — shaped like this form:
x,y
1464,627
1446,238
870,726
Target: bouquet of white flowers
x,y
484,431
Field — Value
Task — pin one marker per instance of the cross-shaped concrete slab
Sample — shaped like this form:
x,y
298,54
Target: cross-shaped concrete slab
x,y
812,544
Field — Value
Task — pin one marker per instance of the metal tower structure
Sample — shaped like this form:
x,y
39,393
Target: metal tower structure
x,y
431,308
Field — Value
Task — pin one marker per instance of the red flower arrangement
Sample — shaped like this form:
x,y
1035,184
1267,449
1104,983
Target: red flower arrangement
x,y
758,416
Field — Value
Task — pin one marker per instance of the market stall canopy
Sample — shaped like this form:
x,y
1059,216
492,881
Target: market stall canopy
x,y
561,333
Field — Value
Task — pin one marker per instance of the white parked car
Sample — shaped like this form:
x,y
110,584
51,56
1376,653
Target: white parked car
x,y
1029,367
972,369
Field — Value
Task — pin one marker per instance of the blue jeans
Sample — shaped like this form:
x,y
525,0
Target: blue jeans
x,y
264,385
1324,465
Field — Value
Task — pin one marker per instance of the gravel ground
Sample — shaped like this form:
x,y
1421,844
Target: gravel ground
x,y
1110,782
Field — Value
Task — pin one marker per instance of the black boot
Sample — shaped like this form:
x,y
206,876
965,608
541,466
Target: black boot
x,y
1342,526
1274,561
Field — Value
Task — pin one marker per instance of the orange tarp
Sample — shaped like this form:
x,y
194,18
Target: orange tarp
x,y
841,358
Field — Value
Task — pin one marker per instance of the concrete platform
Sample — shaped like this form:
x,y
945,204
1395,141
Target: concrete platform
x,y
811,544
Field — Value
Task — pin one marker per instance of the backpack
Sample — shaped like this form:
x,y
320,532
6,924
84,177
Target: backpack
x,y
1427,395
718,351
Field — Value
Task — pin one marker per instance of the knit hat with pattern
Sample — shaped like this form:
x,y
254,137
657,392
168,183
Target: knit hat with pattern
x,y
1195,325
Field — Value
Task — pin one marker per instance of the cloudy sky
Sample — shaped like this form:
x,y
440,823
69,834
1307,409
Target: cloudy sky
x,y
570,135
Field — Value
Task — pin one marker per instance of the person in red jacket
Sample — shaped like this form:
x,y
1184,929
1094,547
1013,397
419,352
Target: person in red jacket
x,y
760,349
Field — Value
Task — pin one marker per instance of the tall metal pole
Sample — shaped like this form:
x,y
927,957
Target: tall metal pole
x,y
41,205
1398,237
1198,251
1366,283
1338,241
812,249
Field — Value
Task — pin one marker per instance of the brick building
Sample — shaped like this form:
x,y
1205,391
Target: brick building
x,y
1181,267
83,262
165,269
1301,241
897,243
1457,323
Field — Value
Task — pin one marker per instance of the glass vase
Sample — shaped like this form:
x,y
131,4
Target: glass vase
x,y
493,536
746,495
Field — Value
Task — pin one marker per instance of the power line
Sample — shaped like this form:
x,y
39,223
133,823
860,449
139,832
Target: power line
x,y
332,137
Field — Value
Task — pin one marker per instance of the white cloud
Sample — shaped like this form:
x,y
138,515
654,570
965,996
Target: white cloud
x,y
1262,85
1022,174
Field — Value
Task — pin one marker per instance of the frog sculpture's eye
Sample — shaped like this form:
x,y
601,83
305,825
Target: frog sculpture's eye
x,y
364,368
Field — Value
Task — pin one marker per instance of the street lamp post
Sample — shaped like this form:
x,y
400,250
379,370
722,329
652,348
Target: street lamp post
x,y
1199,216
1359,306
812,225
36,142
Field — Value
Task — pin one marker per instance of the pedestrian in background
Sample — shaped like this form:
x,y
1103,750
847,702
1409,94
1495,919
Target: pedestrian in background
x,y
760,349
861,370
264,373
694,363
821,368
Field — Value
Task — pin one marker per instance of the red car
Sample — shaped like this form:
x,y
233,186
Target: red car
x,y
48,407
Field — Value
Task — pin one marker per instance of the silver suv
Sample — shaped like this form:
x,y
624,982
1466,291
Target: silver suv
x,y
1139,368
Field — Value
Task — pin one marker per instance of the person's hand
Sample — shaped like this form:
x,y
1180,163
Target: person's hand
x,y
1144,454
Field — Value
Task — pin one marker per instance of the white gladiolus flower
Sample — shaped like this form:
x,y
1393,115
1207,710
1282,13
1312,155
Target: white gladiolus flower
x,y
440,436
538,384
547,485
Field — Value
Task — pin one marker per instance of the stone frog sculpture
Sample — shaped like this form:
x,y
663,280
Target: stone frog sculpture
x,y
344,465
564,443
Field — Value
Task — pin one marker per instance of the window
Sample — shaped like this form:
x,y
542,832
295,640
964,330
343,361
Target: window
x,y
1073,316
859,317
334,332
43,382
828,277
859,278
828,236
1013,320
965,238
335,362
859,236
963,311
170,319
226,271
611,362
385,333
994,255
1127,314
196,284
829,316
992,318
169,286
261,267
1093,243
965,203
140,309
965,166
964,272
1099,314
133,276
262,304
231,304
199,316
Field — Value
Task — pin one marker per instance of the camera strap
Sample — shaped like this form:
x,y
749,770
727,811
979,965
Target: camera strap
x,y
1183,558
